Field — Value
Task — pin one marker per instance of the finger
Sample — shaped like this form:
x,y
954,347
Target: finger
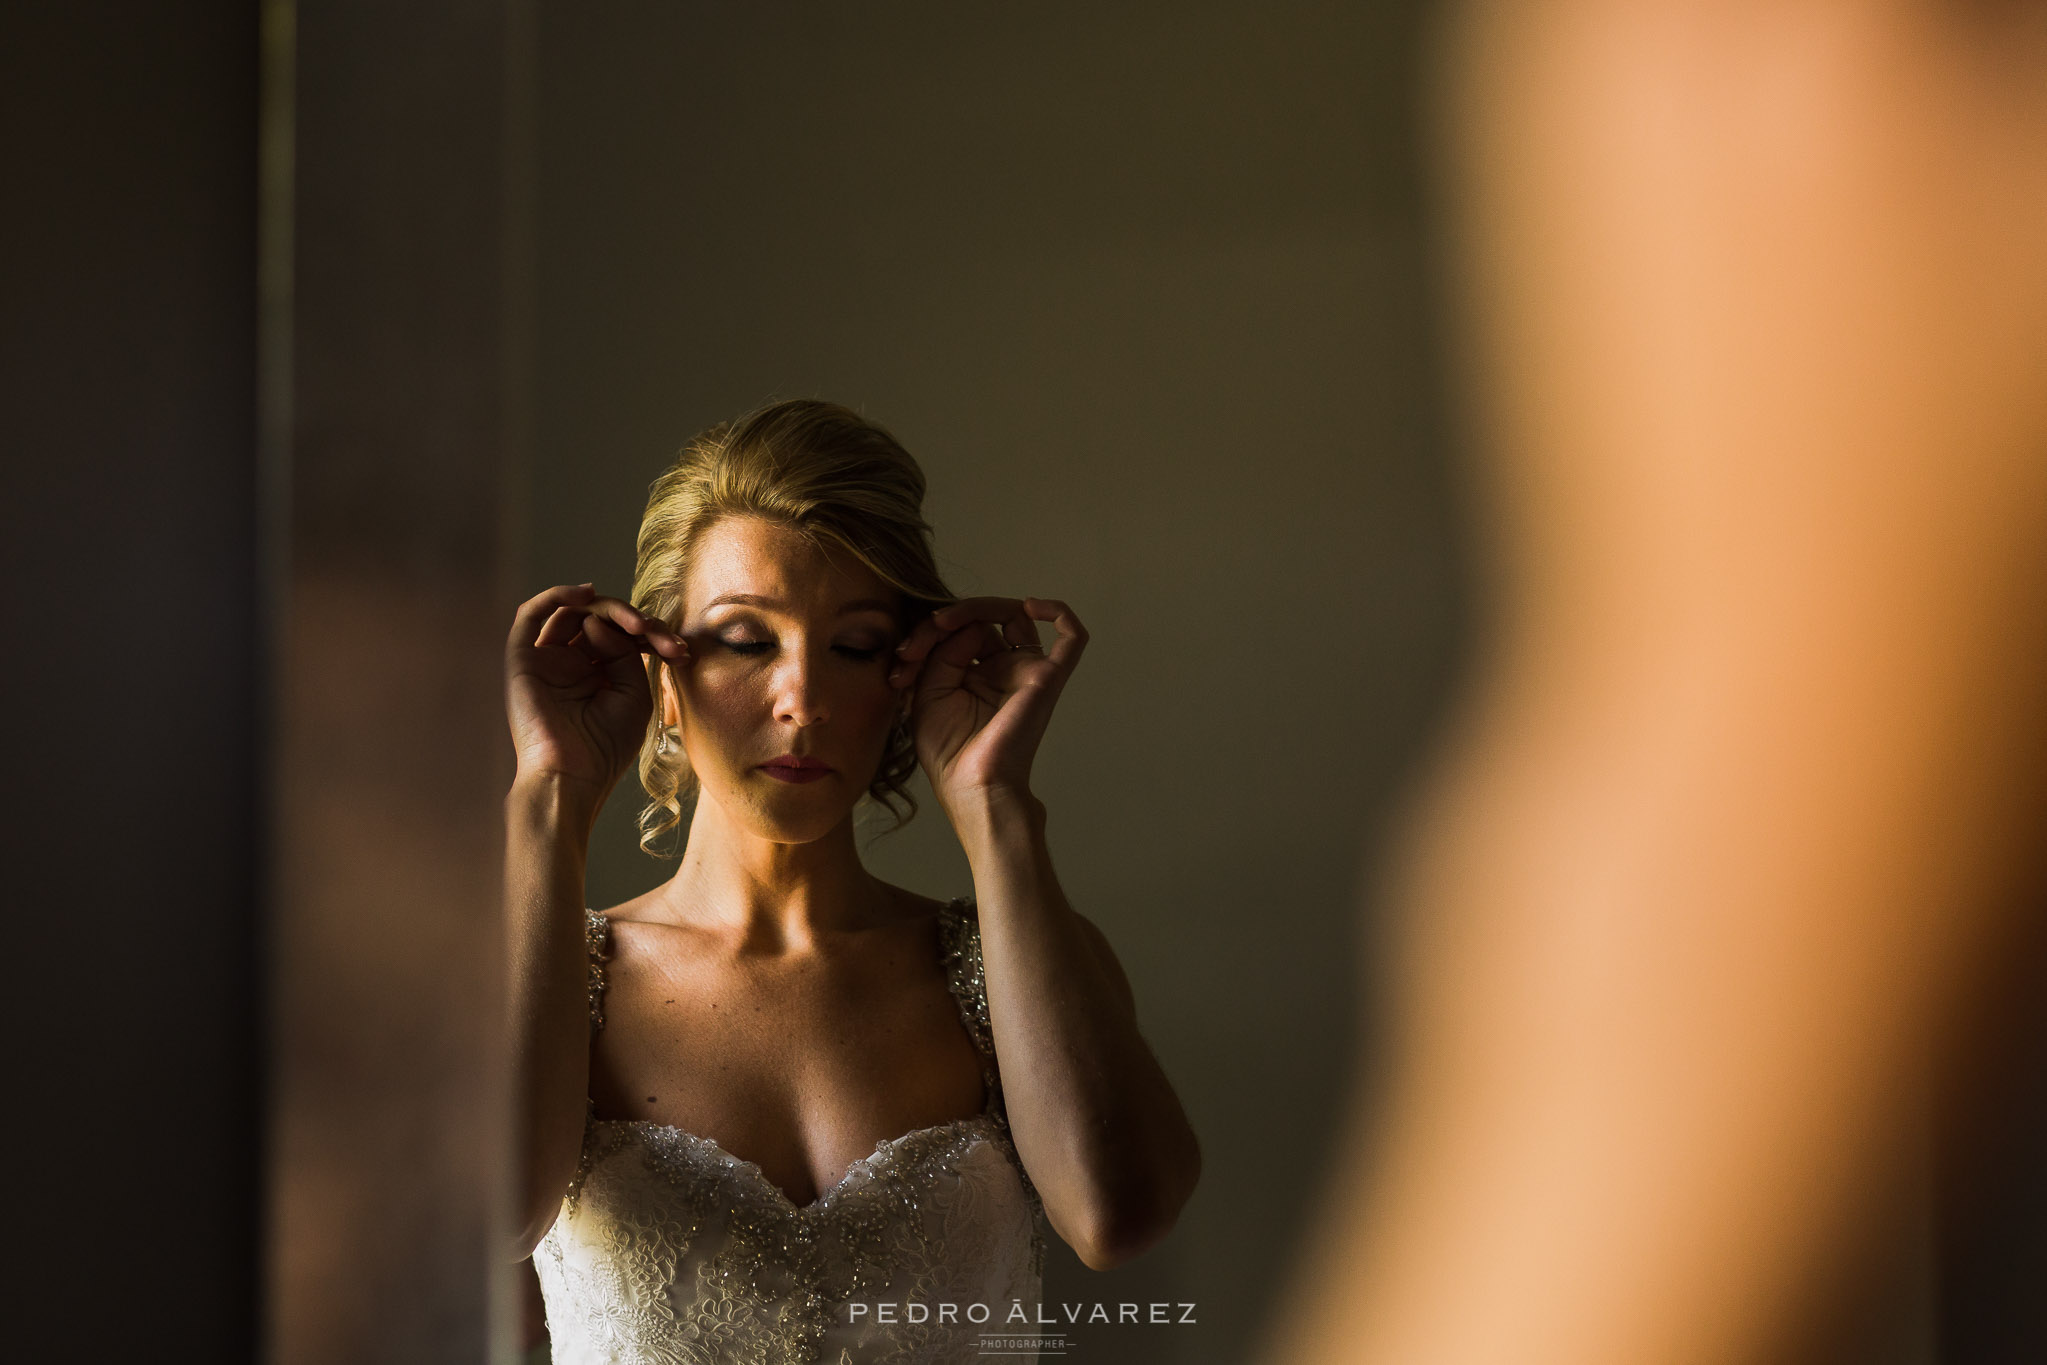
x,y
535,611
950,617
976,641
957,651
921,638
1019,631
664,640
616,654
946,665
648,633
563,627
1072,639
607,641
994,674
991,644
1011,614
1044,675
996,610
908,669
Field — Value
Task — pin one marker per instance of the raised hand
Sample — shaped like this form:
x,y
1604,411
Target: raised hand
x,y
983,689
576,691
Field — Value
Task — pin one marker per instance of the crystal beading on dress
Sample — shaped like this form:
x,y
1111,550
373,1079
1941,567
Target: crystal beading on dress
x,y
670,1249
597,938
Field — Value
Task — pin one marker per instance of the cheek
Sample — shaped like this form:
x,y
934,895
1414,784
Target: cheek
x,y
863,712
881,726
874,702
721,706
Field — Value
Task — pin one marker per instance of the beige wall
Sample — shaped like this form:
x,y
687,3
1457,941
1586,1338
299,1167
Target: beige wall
x,y
1144,290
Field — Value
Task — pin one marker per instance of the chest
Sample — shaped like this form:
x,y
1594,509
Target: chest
x,y
801,1067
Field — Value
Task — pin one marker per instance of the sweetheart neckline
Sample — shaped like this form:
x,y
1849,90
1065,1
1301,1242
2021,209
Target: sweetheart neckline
x,y
825,1197
955,911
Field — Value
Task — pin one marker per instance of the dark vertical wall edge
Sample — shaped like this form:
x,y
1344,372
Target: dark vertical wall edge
x,y
389,1138
127,263
276,163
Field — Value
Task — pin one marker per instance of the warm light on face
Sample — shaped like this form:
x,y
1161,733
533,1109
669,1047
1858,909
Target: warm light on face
x,y
790,651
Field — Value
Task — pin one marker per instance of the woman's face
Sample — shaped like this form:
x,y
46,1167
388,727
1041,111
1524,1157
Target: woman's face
x,y
790,653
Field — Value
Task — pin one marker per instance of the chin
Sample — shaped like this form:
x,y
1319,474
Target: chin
x,y
792,815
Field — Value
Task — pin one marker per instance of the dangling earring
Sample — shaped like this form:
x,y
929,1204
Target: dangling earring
x,y
661,744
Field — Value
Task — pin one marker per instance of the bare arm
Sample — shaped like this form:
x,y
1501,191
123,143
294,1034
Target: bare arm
x,y
1761,296
547,835
578,700
1095,1120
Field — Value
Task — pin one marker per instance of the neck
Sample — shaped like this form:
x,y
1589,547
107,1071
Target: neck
x,y
773,897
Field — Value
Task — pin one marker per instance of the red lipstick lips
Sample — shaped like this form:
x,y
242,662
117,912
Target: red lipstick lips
x,y
795,768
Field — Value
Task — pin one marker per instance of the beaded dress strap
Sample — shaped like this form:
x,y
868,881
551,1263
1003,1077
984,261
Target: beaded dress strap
x,y
597,941
959,934
959,937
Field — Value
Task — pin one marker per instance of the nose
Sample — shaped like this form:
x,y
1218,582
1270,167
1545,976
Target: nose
x,y
799,698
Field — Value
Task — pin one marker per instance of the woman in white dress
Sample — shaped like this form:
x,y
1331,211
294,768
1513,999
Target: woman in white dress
x,y
776,1109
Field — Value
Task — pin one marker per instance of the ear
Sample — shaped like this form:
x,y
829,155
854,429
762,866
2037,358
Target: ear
x,y
671,705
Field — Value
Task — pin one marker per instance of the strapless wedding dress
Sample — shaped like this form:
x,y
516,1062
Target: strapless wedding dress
x,y
670,1250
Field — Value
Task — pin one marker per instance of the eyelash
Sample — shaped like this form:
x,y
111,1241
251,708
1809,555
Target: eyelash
x,y
757,646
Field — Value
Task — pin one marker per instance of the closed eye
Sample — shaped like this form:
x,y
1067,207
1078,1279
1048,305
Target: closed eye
x,y
855,652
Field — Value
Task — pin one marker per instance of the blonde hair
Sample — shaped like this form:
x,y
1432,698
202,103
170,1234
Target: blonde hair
x,y
812,467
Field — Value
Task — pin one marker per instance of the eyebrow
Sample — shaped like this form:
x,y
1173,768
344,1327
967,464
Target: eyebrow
x,y
747,599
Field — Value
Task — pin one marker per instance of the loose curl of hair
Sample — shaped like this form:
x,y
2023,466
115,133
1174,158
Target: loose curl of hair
x,y
812,467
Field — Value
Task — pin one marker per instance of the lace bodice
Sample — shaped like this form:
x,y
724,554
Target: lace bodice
x,y
670,1249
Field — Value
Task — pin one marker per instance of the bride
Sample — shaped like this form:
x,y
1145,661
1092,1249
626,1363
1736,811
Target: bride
x,y
776,1109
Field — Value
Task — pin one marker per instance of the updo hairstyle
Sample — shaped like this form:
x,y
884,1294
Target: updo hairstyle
x,y
812,467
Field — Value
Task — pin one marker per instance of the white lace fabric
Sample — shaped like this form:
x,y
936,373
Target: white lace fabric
x,y
669,1250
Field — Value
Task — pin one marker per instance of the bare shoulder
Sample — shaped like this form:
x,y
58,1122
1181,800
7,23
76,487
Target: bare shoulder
x,y
618,921
634,911
639,935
